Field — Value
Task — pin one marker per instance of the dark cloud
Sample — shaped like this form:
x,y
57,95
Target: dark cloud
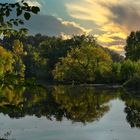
x,y
115,43
53,26
127,15
118,41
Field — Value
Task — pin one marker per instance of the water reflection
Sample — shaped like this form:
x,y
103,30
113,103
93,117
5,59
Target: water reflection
x,y
82,104
78,104
132,109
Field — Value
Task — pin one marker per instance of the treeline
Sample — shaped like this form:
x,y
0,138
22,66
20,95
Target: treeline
x,y
77,60
44,57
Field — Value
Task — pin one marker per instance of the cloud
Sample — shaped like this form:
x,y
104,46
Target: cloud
x,y
32,2
50,25
127,15
117,48
64,36
89,10
115,18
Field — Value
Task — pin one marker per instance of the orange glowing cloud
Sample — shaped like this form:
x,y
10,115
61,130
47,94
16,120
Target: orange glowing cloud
x,y
114,18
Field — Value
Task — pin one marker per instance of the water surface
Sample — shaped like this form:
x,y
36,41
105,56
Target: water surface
x,y
68,113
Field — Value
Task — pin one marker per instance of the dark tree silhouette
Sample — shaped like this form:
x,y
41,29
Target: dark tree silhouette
x,y
15,14
132,47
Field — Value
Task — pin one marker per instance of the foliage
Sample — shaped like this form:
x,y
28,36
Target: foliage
x,y
80,58
81,64
6,61
22,12
127,70
42,53
19,67
11,65
115,77
132,47
11,15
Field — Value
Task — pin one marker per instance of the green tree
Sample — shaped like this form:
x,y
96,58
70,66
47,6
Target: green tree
x,y
137,68
6,62
115,76
44,52
132,47
23,12
82,64
19,67
127,70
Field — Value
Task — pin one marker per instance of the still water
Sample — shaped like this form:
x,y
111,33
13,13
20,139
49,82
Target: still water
x,y
68,113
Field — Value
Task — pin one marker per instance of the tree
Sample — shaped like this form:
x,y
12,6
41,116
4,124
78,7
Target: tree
x,y
82,104
127,70
11,15
116,57
17,48
77,104
132,109
132,47
22,9
115,73
137,68
82,64
6,62
19,67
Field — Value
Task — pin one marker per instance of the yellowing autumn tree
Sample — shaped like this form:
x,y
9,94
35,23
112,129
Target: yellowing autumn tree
x,y
6,61
82,64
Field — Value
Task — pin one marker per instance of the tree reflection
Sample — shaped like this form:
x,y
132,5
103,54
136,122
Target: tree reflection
x,y
132,109
82,104
79,104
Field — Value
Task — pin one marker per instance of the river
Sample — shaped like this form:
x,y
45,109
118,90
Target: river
x,y
68,113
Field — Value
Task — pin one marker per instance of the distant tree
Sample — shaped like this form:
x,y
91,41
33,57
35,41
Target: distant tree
x,y
132,47
83,40
116,57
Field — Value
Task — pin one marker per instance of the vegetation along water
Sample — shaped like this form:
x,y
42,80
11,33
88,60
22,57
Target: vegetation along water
x,y
53,88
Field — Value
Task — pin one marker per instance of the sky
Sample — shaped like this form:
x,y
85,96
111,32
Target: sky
x,y
110,21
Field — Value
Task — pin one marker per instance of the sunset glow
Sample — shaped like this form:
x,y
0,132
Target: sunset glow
x,y
110,21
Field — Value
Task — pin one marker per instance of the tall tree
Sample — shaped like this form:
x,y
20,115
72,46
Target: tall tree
x,y
132,47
